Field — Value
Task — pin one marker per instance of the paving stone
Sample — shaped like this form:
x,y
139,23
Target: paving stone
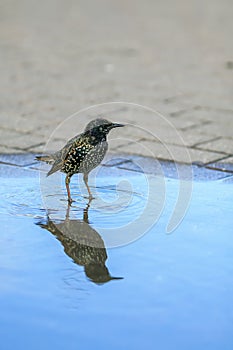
x,y
218,129
182,122
170,169
229,160
191,137
225,165
224,145
14,122
49,147
20,159
8,136
14,140
202,114
43,83
169,152
8,150
22,165
172,106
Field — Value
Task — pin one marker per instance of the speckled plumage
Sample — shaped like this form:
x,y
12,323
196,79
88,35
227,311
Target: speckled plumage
x,y
82,153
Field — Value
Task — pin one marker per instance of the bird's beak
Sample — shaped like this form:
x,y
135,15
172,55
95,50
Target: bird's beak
x,y
116,125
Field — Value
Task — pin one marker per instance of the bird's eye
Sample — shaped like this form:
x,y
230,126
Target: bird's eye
x,y
101,129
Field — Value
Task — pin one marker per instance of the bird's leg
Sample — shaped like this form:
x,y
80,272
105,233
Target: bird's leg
x,y
68,212
85,212
85,179
68,189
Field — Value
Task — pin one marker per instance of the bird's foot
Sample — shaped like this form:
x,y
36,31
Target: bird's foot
x,y
90,198
70,201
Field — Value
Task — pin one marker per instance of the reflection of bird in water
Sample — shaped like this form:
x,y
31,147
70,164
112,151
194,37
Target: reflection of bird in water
x,y
82,153
83,244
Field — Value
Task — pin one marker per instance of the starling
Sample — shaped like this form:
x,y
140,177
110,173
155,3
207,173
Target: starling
x,y
82,153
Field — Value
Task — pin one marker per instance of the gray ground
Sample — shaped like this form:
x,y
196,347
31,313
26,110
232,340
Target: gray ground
x,y
176,57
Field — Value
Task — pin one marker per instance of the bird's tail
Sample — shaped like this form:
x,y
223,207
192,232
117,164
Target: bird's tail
x,y
47,159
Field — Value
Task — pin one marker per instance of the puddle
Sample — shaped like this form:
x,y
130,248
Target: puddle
x,y
63,287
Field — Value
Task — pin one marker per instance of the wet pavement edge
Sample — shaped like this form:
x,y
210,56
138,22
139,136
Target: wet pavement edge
x,y
129,162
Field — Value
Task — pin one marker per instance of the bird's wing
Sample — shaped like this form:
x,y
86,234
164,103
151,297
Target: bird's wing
x,y
57,165
62,153
77,146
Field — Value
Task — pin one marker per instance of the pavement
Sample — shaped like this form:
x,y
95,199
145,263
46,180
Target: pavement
x,y
163,67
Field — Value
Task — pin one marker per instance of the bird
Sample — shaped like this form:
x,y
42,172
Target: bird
x,y
82,153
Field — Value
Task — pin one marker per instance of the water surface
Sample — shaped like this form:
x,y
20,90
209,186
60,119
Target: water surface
x,y
164,291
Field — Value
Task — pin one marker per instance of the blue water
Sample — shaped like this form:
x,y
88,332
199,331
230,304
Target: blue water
x,y
176,290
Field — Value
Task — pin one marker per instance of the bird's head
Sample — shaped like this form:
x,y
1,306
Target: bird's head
x,y
99,128
98,273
